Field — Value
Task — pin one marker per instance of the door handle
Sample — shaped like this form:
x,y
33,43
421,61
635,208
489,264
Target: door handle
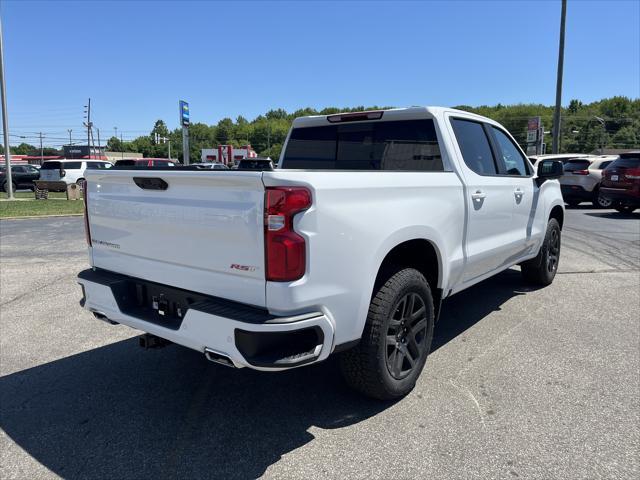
x,y
478,195
518,192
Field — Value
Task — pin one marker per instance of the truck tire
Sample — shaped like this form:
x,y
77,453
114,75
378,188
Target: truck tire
x,y
542,269
396,339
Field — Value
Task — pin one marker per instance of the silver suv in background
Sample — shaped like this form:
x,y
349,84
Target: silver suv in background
x,y
582,178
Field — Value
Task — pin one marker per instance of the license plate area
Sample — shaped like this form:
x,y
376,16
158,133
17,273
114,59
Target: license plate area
x,y
614,178
155,303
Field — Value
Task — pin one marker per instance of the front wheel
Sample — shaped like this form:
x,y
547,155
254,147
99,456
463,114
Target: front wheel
x,y
396,339
542,269
625,208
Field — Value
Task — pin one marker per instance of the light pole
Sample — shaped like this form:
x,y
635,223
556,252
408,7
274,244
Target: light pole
x,y
5,122
556,113
604,128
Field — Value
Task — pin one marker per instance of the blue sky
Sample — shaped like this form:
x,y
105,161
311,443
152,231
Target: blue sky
x,y
136,59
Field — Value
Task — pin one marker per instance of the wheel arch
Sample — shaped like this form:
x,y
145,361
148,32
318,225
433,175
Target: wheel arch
x,y
419,253
557,212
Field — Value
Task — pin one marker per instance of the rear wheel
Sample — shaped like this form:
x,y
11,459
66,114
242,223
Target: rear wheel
x,y
5,187
80,184
542,269
396,339
600,201
625,208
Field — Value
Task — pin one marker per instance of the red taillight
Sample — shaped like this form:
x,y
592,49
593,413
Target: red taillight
x,y
87,232
285,250
580,172
632,173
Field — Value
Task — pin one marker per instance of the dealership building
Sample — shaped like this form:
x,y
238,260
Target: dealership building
x,y
227,154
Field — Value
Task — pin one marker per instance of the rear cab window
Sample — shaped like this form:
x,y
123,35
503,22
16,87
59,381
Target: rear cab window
x,y
400,145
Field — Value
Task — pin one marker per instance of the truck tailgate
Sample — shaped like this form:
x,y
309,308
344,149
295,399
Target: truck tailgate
x,y
203,233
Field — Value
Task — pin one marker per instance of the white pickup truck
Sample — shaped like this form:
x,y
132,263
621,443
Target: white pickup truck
x,y
370,220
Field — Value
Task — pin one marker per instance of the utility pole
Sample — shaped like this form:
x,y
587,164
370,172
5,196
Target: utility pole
x,y
5,121
169,149
99,146
556,113
70,142
121,146
41,151
88,124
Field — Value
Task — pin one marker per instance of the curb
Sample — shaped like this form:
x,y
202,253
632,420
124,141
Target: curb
x,y
42,216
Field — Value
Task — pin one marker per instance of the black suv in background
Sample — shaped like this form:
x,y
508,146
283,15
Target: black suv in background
x,y
22,176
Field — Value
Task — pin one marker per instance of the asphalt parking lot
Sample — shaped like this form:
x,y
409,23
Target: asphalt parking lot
x,y
522,383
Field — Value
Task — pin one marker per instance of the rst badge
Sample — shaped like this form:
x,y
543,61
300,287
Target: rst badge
x,y
242,268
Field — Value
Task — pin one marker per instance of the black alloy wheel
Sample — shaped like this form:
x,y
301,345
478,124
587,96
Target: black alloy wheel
x,y
406,335
553,255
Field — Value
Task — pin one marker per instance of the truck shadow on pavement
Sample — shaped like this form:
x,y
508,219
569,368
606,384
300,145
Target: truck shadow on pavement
x,y
119,412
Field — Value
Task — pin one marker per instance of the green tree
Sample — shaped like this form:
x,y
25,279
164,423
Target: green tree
x,y
626,137
114,144
159,128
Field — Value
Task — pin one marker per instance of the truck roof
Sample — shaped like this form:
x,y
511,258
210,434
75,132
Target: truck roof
x,y
406,113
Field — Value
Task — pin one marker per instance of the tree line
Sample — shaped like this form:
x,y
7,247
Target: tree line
x,y
608,123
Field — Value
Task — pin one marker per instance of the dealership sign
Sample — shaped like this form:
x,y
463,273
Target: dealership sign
x,y
184,113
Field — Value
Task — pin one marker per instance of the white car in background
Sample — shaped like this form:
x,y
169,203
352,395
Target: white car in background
x,y
582,178
70,171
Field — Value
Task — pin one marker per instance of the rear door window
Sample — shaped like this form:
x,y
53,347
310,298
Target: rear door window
x,y
475,147
72,165
409,145
513,161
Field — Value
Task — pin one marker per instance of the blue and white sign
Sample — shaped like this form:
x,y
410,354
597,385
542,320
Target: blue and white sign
x,y
184,113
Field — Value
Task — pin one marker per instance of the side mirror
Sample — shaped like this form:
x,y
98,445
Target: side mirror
x,y
549,169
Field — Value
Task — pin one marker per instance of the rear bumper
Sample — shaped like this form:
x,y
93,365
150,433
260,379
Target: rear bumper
x,y
248,336
626,196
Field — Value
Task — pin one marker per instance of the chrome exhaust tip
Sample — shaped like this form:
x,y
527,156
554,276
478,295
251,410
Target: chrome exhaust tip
x,y
218,357
103,317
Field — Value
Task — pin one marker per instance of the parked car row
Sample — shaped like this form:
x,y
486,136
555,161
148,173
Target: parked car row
x,y
607,181
73,171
